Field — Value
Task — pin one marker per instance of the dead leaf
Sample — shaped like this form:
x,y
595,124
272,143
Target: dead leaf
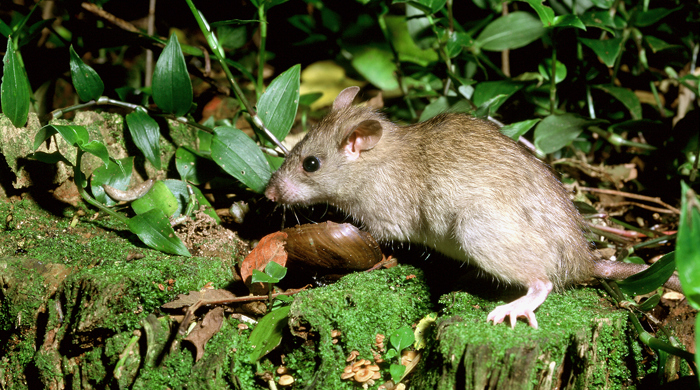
x,y
205,330
203,297
270,248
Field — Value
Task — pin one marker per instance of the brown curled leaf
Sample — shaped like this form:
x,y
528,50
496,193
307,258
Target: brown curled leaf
x,y
129,195
206,329
332,246
203,297
270,248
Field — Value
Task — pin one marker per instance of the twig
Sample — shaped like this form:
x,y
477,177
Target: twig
x,y
633,196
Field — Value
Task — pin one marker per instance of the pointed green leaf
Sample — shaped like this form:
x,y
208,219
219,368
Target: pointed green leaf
x,y
98,149
154,230
14,90
688,246
85,80
556,131
487,90
261,277
158,197
75,135
240,157
376,64
193,166
517,29
517,129
146,135
50,158
277,107
267,334
179,189
607,50
490,106
657,44
112,175
172,88
545,13
275,270
649,17
42,135
569,21
545,69
599,19
626,97
651,278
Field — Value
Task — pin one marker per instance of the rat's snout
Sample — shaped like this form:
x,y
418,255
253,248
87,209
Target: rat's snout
x,y
271,192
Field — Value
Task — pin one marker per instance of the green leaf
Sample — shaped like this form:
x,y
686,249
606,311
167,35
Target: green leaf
x,y
267,334
517,29
154,230
402,338
490,106
275,270
309,98
517,129
145,132
545,69
405,45
651,278
626,97
172,88
545,13
42,135
158,197
50,158
487,90
649,17
194,167
278,106
456,42
427,6
98,149
114,176
75,135
240,157
87,83
556,131
657,44
599,19
180,191
377,66
435,107
261,277
569,21
14,90
688,246
396,371
607,50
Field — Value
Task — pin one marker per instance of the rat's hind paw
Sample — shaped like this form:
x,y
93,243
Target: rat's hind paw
x,y
524,306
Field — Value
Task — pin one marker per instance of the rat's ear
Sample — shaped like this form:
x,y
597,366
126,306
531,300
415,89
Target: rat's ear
x,y
361,138
345,98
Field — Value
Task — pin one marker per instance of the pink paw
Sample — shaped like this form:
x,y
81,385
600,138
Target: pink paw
x,y
513,311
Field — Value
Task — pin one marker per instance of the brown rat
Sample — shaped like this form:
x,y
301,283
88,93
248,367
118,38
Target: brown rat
x,y
453,183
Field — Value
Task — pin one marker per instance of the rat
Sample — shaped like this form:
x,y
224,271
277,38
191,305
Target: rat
x,y
453,183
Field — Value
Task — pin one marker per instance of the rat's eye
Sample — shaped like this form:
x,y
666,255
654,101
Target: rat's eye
x,y
311,164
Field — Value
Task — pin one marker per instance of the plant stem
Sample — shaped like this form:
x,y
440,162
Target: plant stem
x,y
261,57
77,174
553,79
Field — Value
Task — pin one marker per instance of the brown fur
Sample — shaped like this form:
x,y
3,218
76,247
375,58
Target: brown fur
x,y
453,183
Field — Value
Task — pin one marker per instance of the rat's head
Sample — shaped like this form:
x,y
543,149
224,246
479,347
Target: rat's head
x,y
324,166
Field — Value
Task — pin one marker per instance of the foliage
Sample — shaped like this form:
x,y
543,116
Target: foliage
x,y
612,81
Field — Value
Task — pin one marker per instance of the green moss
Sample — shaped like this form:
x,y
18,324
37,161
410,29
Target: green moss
x,y
361,305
